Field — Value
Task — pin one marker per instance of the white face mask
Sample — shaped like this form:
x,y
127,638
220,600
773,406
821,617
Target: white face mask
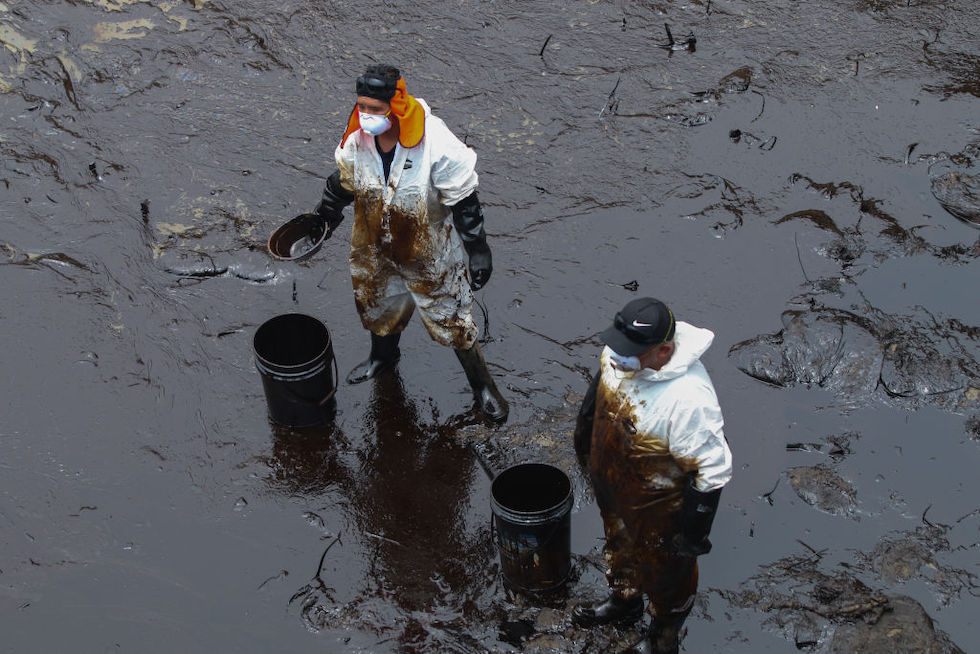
x,y
373,124
625,364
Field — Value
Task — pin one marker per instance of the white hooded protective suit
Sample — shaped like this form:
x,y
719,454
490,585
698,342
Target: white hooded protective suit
x,y
405,252
654,430
673,410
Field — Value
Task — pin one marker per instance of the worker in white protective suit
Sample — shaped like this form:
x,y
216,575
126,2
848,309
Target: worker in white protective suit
x,y
416,215
650,431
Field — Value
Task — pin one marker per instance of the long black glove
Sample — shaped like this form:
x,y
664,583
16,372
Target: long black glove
x,y
585,420
335,198
468,218
697,514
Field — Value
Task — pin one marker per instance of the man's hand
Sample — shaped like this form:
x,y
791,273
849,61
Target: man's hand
x,y
481,265
468,219
685,547
697,513
329,220
335,198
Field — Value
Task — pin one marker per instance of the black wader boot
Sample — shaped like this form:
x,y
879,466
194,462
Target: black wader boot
x,y
662,638
488,398
384,354
614,609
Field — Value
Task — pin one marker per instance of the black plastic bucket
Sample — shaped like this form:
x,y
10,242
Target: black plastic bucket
x,y
293,353
532,505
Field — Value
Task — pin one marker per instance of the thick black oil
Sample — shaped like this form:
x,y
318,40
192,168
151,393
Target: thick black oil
x,y
774,184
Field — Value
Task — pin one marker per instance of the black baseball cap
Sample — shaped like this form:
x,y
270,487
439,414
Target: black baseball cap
x,y
638,326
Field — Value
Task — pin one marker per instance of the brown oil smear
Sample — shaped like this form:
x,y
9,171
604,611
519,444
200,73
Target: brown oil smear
x,y
639,487
633,471
399,235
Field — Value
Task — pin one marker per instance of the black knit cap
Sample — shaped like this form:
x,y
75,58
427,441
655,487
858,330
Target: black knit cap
x,y
378,82
638,326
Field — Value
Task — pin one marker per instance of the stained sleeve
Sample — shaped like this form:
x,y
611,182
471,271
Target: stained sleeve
x,y
345,157
453,171
697,440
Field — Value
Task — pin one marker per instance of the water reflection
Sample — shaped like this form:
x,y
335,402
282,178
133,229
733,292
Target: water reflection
x,y
310,460
411,500
405,495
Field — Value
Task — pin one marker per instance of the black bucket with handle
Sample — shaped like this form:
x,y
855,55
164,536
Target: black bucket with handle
x,y
294,355
532,505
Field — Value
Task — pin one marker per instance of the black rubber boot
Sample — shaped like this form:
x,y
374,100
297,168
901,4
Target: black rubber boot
x,y
613,609
384,354
661,638
488,398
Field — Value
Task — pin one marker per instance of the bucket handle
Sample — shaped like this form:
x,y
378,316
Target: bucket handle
x,y
302,400
336,382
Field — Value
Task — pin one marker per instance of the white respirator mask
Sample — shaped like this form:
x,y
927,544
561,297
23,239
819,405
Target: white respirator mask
x,y
373,124
625,364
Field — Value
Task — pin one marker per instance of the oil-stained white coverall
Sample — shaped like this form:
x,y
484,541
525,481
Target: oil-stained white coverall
x,y
655,430
405,252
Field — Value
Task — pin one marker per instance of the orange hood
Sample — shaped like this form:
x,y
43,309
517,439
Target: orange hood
x,y
408,111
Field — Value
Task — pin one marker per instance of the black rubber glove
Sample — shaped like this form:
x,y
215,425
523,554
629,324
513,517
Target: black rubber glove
x,y
335,198
468,219
584,422
697,514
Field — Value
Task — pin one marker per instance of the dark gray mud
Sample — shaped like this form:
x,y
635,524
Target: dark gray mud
x,y
803,182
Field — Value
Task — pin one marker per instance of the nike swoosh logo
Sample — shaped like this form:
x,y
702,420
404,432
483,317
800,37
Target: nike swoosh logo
x,y
642,324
